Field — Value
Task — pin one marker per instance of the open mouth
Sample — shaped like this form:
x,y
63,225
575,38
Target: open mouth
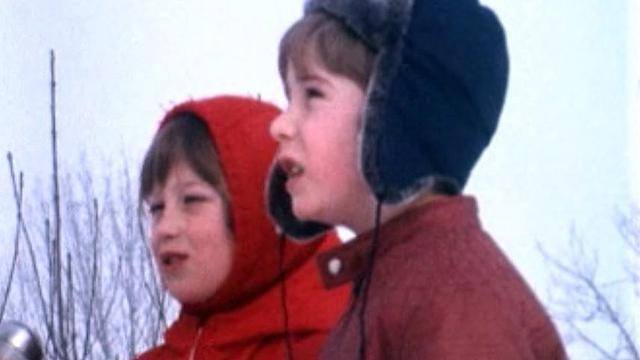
x,y
171,259
290,167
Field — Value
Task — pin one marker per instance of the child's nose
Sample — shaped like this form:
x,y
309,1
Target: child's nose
x,y
282,127
169,224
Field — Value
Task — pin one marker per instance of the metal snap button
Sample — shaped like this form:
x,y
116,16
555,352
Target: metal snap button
x,y
334,266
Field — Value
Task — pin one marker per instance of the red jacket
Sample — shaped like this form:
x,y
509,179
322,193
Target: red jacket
x,y
440,289
245,318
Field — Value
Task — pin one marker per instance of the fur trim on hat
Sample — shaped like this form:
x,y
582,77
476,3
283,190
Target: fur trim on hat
x,y
378,22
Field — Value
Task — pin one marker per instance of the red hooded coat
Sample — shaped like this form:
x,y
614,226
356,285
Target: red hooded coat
x,y
245,318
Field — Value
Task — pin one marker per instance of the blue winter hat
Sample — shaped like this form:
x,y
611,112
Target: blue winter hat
x,y
435,93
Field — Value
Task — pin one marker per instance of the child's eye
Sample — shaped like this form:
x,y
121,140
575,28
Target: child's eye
x,y
313,93
192,199
155,208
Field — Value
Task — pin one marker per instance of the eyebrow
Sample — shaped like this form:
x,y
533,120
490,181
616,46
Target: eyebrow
x,y
303,79
187,184
190,183
311,77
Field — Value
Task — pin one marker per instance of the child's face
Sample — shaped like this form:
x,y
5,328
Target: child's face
x,y
191,243
318,137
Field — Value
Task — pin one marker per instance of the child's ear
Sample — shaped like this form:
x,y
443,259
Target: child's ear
x,y
281,212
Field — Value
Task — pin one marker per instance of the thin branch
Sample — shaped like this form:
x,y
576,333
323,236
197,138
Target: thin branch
x,y
94,280
589,293
611,314
34,262
17,194
71,309
50,314
57,248
586,339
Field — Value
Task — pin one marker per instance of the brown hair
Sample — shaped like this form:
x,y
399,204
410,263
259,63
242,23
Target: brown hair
x,y
183,138
322,38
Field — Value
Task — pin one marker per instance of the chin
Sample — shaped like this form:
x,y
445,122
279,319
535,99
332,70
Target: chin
x,y
187,297
304,212
309,213
302,215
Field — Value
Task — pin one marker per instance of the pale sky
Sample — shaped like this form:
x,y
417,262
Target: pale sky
x,y
564,155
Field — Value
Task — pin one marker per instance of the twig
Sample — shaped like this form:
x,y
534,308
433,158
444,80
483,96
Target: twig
x,y
587,287
94,280
17,194
70,327
585,338
57,248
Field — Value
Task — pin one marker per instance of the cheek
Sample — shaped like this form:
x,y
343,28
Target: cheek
x,y
217,261
347,167
343,151
334,137
212,246
215,239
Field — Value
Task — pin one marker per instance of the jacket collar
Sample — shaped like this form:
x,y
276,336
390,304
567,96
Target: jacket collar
x,y
348,262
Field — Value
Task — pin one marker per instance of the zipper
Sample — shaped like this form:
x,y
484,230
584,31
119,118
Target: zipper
x,y
192,353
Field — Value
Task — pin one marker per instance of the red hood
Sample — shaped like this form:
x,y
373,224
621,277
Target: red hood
x,y
239,129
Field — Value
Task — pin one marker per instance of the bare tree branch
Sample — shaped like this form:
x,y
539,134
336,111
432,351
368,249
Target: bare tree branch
x,y
586,300
17,194
94,280
70,310
106,305
57,247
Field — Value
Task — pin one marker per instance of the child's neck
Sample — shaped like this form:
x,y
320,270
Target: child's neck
x,y
368,219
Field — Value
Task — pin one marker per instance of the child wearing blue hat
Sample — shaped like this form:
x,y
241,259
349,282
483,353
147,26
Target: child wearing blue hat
x,y
391,103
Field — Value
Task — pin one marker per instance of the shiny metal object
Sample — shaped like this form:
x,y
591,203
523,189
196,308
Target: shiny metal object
x,y
18,342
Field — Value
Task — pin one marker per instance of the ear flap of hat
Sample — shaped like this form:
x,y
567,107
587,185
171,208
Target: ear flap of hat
x,y
281,212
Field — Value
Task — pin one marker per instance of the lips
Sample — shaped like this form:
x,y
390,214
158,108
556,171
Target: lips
x,y
291,167
171,259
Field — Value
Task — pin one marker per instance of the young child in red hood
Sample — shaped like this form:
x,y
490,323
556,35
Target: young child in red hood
x,y
245,292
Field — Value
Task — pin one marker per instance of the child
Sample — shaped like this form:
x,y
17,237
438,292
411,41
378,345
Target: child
x,y
390,105
216,252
